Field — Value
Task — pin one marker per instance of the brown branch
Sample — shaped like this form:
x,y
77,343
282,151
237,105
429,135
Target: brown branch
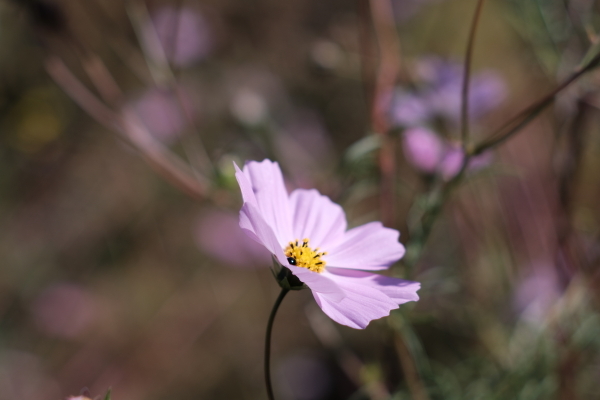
x,y
157,61
464,115
529,113
387,72
164,162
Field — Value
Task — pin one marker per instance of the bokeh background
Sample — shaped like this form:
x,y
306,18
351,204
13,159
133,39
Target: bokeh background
x,y
121,261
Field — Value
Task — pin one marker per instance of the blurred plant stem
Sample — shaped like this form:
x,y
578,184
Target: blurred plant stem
x,y
387,72
567,258
528,114
157,61
162,160
282,294
109,111
570,255
464,111
386,76
411,355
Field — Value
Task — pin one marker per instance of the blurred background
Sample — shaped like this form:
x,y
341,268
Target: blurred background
x,y
122,264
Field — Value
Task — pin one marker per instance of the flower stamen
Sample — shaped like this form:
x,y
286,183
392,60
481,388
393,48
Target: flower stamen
x,y
304,256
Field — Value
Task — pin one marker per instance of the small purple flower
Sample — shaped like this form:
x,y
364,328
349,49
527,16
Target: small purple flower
x,y
161,113
405,10
431,154
409,109
438,93
306,233
453,160
444,94
486,92
423,148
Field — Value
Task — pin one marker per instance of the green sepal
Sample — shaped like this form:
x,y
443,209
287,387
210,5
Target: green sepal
x,y
284,277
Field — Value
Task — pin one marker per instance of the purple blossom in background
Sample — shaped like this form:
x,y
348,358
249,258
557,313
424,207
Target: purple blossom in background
x,y
438,93
161,114
435,71
486,92
409,109
431,154
451,162
423,149
216,230
407,9
183,34
453,159
306,232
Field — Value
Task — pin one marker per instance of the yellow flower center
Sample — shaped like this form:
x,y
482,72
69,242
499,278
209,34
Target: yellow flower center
x,y
301,255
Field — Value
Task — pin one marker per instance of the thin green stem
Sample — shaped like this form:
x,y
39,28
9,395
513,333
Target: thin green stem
x,y
528,114
268,343
464,115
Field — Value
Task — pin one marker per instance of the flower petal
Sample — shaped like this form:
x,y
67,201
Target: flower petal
x,y
369,247
399,290
245,186
252,222
362,304
264,186
316,217
322,284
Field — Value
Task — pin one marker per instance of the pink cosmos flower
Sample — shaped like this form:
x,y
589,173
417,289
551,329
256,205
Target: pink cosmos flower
x,y
306,233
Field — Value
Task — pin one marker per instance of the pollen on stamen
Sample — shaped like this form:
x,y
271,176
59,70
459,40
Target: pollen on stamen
x,y
304,256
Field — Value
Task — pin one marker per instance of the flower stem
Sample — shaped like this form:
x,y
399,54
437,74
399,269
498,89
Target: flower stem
x,y
268,342
464,115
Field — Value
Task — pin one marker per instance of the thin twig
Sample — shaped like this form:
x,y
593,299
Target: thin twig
x,y
464,115
529,113
130,128
102,79
77,91
157,61
567,256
